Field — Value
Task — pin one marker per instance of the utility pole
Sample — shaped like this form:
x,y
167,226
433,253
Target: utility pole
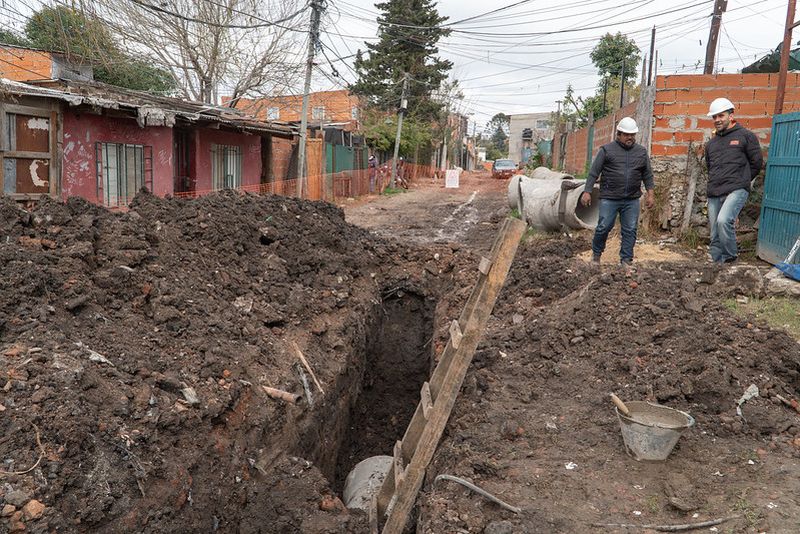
x,y
316,11
400,113
786,49
713,36
652,51
622,84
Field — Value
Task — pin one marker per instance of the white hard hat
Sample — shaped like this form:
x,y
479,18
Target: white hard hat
x,y
627,125
719,105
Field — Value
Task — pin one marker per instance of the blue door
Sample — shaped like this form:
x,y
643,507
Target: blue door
x,y
779,227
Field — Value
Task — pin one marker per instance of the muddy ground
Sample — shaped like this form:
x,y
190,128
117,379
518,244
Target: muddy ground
x,y
137,344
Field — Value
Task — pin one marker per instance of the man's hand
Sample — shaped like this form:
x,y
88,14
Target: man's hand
x,y
586,199
650,200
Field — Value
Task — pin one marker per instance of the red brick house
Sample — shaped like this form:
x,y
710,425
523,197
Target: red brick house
x,y
327,107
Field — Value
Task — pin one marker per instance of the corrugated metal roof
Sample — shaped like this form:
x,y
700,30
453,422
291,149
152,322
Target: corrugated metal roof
x,y
148,109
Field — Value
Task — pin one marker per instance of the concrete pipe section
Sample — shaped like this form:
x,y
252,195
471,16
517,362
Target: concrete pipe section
x,y
549,199
364,481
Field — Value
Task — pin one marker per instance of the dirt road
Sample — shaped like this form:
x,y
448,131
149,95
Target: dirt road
x,y
429,213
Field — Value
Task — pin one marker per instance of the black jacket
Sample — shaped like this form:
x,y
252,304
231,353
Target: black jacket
x,y
623,169
733,158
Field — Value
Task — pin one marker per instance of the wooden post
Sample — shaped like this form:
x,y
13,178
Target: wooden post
x,y
713,35
786,50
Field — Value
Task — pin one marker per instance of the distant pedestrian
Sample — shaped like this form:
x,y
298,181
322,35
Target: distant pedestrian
x,y
622,167
733,157
372,166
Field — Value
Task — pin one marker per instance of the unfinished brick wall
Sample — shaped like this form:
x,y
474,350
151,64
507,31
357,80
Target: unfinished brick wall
x,y
21,65
679,112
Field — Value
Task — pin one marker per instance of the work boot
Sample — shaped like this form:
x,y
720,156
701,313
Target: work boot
x,y
596,261
627,267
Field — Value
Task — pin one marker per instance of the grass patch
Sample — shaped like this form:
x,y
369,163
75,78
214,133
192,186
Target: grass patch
x,y
777,312
691,239
515,214
393,190
748,510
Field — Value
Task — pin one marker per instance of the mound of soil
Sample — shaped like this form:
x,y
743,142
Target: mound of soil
x,y
135,346
534,424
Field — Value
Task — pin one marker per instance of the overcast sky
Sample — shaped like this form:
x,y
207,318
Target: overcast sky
x,y
507,61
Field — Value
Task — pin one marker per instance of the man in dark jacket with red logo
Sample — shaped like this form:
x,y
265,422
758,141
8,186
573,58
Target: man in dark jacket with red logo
x,y
733,157
622,166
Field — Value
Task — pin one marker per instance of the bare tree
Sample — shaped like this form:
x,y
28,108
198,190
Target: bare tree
x,y
213,47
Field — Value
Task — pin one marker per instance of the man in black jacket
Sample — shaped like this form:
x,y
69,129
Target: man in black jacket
x,y
622,166
733,157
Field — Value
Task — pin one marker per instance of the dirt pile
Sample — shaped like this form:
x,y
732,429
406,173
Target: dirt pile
x,y
137,344
534,424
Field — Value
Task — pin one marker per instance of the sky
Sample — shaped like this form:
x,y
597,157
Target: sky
x,y
521,59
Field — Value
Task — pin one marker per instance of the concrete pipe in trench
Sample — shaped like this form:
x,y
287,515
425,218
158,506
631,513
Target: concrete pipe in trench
x,y
540,198
364,481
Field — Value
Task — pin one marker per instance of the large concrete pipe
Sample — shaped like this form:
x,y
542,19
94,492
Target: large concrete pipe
x,y
365,480
552,200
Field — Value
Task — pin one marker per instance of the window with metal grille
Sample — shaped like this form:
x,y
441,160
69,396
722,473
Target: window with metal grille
x,y
122,170
318,113
226,166
273,114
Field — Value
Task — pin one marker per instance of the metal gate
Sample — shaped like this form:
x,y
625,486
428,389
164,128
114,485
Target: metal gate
x,y
780,208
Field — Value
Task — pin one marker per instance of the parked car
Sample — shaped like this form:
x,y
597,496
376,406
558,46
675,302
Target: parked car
x,y
503,168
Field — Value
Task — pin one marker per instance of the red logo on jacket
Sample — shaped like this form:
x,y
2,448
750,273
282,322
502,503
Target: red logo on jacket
x,y
734,142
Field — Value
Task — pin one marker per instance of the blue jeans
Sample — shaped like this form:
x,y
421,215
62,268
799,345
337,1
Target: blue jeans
x,y
628,210
722,213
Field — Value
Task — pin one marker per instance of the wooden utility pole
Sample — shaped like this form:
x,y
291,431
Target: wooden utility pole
x,y
622,85
713,36
313,38
786,50
652,51
400,113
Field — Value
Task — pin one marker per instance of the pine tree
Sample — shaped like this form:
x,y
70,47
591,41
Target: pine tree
x,y
408,32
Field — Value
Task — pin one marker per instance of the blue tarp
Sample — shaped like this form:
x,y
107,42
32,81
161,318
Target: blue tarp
x,y
792,270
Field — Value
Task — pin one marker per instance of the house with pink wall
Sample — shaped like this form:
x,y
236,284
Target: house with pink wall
x,y
82,138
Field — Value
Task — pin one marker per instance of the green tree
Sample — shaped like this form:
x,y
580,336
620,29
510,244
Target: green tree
x,y
608,56
86,40
380,128
408,33
498,126
11,37
612,52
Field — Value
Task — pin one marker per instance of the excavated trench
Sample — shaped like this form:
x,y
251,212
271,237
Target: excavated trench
x,y
377,394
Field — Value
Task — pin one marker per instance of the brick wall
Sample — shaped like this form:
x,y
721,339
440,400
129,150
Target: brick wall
x,y
679,112
281,158
21,64
682,103
338,107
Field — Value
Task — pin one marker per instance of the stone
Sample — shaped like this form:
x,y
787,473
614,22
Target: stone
x,y
499,527
331,503
33,510
17,497
15,524
8,510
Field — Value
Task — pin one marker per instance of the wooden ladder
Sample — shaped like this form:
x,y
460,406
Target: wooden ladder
x,y
396,498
